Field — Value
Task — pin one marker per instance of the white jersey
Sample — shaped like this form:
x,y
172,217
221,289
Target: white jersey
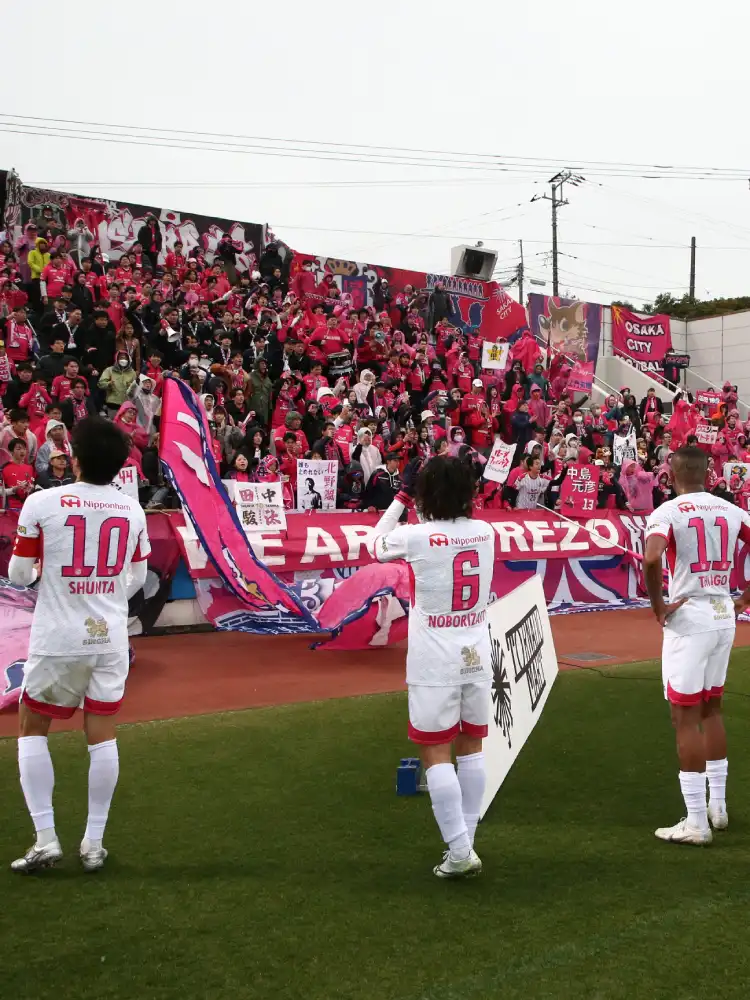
x,y
701,532
87,536
451,565
530,491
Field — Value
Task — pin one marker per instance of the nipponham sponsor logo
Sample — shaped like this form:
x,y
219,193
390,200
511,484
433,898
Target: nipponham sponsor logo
x,y
686,508
69,500
438,539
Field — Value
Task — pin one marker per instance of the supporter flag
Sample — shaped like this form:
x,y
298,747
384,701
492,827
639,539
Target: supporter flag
x,y
581,377
643,340
503,315
16,609
189,464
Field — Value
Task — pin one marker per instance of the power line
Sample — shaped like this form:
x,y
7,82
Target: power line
x,y
622,284
386,155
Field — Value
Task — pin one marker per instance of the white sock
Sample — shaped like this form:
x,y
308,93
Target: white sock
x,y
716,772
472,778
38,783
104,770
693,785
445,794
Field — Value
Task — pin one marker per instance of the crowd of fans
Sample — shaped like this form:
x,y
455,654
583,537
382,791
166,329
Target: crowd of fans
x,y
287,369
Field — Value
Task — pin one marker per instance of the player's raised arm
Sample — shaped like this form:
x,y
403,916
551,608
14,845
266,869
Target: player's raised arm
x,y
390,541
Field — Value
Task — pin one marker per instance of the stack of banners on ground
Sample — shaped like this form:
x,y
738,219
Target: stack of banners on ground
x,y
643,340
524,668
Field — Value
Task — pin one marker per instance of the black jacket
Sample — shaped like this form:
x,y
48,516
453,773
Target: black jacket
x,y
52,365
83,298
150,241
381,490
68,416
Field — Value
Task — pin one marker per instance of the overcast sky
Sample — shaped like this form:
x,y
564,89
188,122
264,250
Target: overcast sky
x,y
643,83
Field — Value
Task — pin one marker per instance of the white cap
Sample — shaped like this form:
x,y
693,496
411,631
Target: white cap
x,y
478,381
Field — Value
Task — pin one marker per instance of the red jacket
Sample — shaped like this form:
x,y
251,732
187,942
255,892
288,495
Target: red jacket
x,y
35,402
19,340
303,284
285,403
61,388
312,383
55,278
343,436
331,341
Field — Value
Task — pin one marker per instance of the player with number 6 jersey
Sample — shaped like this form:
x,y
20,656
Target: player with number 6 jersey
x,y
698,533
450,556
92,542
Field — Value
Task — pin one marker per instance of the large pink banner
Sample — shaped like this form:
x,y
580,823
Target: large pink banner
x,y
339,539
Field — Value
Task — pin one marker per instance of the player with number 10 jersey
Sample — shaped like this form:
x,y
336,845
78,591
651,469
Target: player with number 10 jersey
x,y
88,535
91,541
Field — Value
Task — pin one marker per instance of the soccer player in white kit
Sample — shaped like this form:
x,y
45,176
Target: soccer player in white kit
x,y
698,532
450,557
93,544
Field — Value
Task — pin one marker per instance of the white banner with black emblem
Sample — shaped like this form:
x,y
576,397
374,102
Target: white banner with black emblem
x,y
524,667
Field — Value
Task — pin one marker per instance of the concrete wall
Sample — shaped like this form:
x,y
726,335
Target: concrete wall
x,y
719,349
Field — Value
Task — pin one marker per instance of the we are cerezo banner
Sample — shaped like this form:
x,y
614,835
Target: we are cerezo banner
x,y
482,307
115,224
644,340
570,327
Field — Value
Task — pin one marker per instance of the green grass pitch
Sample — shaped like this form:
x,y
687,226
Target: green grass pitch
x,y
265,854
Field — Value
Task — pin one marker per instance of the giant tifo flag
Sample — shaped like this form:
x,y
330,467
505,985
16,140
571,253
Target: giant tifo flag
x,y
267,604
478,306
643,340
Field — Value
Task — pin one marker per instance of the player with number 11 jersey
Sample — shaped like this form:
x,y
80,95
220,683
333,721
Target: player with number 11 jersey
x,y
697,533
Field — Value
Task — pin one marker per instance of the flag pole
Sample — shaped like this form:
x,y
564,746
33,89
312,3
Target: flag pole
x,y
594,534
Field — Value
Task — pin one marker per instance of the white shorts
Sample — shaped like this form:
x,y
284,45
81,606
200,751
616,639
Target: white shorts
x,y
694,667
438,714
58,685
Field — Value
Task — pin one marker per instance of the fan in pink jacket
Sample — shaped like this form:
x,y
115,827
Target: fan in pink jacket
x,y
637,485
538,409
526,350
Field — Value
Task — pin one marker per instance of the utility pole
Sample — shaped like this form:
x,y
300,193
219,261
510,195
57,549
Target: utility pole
x,y
519,272
558,200
692,268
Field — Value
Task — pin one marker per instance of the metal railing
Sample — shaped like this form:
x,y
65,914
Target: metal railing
x,y
675,386
598,382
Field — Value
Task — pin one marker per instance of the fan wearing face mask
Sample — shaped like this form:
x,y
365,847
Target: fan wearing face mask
x,y
116,381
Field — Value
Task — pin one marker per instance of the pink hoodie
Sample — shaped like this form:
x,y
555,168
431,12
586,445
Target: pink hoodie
x,y
538,409
637,485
